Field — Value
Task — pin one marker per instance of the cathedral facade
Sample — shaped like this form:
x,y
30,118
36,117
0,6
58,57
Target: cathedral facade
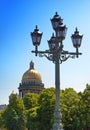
x,y
31,81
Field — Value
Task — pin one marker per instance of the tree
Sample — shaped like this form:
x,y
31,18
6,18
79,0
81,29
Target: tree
x,y
45,111
32,121
69,106
40,109
31,104
30,100
85,108
14,116
1,121
38,113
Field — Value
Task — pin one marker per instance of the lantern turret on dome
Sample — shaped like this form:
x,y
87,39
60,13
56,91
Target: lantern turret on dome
x,y
31,81
31,65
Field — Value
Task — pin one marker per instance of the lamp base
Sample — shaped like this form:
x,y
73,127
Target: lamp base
x,y
57,122
57,126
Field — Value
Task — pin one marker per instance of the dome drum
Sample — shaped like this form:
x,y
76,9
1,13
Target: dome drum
x,y
30,85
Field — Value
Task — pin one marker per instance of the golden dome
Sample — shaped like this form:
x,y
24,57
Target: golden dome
x,y
31,75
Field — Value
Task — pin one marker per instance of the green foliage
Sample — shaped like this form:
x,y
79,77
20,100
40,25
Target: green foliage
x,y
11,118
69,106
1,121
31,104
39,109
14,117
16,102
32,121
30,100
46,109
85,108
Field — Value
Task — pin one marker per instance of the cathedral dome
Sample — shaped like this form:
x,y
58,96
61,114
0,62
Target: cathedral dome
x,y
31,75
31,81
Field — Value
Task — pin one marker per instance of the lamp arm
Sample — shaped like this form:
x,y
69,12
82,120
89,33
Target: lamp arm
x,y
48,56
65,55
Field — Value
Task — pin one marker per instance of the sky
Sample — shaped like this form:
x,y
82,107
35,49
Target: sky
x,y
18,19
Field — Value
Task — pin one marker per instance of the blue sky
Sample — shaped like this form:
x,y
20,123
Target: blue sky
x,y
18,18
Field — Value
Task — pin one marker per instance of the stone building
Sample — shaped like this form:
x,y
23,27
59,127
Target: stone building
x,y
2,107
31,81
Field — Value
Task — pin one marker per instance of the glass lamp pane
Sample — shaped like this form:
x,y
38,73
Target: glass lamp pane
x,y
61,32
38,39
76,42
55,24
33,39
52,46
51,43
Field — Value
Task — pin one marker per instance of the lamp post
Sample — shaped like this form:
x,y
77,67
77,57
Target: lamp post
x,y
57,55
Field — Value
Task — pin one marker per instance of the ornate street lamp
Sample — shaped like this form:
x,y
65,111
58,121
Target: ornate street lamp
x,y
57,55
36,38
76,40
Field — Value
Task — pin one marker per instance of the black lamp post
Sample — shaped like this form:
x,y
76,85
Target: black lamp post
x,y
57,54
